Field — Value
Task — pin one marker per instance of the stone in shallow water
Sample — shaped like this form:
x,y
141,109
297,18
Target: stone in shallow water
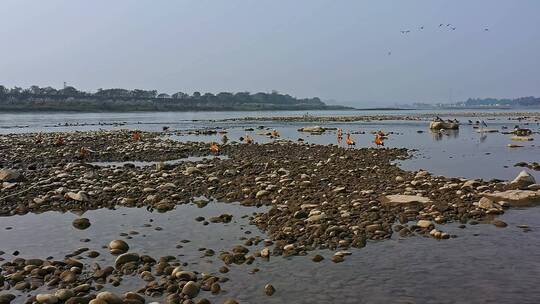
x,y
424,223
81,223
269,289
46,298
400,199
314,129
487,204
6,298
499,223
118,247
317,258
515,198
191,289
126,258
523,180
109,298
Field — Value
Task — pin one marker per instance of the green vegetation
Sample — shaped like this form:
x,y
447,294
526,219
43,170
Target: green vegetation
x,y
517,102
105,100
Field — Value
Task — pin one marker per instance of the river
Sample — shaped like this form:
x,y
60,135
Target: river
x,y
484,264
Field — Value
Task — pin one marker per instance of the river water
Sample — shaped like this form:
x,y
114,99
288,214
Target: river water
x,y
484,264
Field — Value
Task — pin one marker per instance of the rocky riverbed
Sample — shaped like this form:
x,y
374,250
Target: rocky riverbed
x,y
316,197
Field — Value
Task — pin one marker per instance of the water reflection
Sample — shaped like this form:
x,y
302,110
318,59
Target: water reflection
x,y
439,135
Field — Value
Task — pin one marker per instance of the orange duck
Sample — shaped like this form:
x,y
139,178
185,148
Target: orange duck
x,y
349,141
214,148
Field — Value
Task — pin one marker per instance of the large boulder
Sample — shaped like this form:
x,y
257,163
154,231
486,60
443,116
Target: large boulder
x,y
400,199
314,129
521,138
522,181
7,175
515,198
487,204
438,125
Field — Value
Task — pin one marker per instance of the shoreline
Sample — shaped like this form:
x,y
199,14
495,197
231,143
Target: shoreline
x,y
382,117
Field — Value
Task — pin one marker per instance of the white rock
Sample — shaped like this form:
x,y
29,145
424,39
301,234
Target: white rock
x,y
534,187
424,223
45,298
515,197
314,129
288,247
80,196
523,180
400,199
487,204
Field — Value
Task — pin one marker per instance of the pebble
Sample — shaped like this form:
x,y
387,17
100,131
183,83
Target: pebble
x,y
117,247
109,298
499,224
317,258
424,224
6,298
81,223
191,289
269,289
45,298
338,258
64,294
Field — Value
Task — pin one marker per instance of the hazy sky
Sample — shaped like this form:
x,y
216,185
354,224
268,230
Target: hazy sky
x,y
331,49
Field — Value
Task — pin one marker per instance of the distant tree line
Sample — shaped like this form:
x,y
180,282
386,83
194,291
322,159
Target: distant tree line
x,y
517,102
71,99
522,102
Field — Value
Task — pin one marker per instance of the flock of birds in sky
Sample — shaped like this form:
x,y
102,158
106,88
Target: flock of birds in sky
x,y
442,25
448,26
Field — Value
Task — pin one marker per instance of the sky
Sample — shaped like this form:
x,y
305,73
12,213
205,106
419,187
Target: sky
x,y
349,51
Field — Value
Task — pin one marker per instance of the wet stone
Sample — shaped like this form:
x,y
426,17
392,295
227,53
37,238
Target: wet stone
x,y
81,223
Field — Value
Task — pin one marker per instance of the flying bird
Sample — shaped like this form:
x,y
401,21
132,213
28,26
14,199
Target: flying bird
x,y
422,27
453,29
486,30
441,25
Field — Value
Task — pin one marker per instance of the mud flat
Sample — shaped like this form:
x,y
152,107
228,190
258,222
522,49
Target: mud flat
x,y
315,197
